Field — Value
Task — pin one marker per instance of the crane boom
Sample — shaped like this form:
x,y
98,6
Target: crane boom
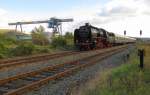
x,y
52,20
53,23
28,22
66,20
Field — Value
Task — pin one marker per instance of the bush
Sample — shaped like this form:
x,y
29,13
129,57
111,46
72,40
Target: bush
x,y
44,50
7,40
41,49
38,36
2,56
23,49
59,42
3,48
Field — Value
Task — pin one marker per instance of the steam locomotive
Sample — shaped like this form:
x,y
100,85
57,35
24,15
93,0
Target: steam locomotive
x,y
88,37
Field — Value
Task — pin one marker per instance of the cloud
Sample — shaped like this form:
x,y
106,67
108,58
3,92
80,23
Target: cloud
x,y
120,15
122,10
147,2
2,12
118,11
114,15
3,22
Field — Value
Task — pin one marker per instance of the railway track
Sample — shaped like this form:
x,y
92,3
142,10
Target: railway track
x,y
31,59
25,82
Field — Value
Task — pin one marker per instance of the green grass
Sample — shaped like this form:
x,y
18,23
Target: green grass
x,y
128,79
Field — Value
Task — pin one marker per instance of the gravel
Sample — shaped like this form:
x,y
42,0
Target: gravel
x,y
8,72
63,86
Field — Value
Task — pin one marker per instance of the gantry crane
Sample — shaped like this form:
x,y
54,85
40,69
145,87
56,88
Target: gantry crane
x,y
54,23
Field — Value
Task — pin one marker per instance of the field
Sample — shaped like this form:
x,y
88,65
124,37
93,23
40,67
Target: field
x,y
128,79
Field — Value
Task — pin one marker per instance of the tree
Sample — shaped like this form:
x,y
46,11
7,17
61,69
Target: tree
x,y
58,42
69,38
38,36
69,35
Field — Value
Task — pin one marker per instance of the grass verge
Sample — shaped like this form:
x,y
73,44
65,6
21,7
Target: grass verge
x,y
128,79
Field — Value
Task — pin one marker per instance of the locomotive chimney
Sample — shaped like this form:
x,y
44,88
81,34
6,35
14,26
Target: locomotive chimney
x,y
87,24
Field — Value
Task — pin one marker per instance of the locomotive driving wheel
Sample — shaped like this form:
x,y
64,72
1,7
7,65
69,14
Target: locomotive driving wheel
x,y
99,43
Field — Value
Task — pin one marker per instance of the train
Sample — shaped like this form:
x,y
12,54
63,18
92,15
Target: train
x,y
88,37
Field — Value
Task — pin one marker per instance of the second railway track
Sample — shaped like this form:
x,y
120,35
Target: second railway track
x,y
25,82
31,59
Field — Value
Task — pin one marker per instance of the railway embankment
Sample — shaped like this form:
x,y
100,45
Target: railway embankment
x,y
127,79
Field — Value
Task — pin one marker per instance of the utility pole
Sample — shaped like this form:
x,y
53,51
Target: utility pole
x,y
141,53
140,32
124,32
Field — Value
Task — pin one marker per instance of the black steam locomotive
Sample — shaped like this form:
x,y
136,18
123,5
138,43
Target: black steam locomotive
x,y
88,37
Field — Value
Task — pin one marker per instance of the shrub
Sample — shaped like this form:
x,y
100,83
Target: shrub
x,y
44,50
38,36
41,50
2,56
2,47
7,40
23,49
59,42
68,35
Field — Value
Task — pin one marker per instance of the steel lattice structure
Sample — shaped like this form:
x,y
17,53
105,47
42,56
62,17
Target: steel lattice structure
x,y
54,23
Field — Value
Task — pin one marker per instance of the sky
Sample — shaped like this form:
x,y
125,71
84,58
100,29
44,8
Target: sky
x,y
112,15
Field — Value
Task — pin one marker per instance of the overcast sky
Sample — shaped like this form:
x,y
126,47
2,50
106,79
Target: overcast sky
x,y
112,15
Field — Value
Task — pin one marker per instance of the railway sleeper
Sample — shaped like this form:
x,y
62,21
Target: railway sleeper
x,y
2,92
82,62
57,71
65,67
31,79
5,90
40,76
47,73
15,84
69,66
36,77
11,85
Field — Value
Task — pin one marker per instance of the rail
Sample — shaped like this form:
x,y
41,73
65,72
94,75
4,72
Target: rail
x,y
35,79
